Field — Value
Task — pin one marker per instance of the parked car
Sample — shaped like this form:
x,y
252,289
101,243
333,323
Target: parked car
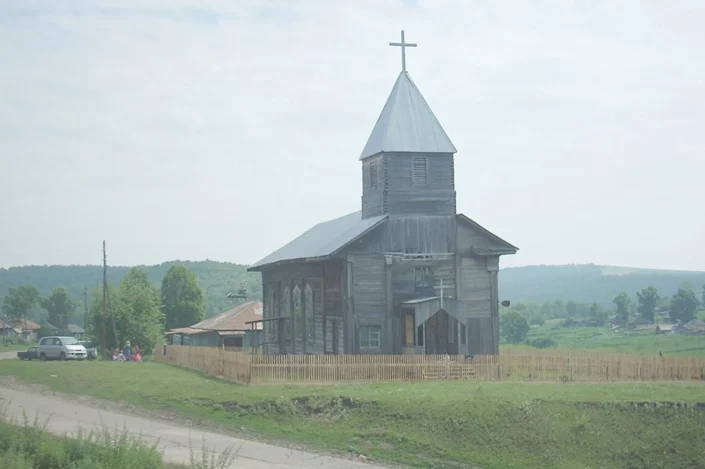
x,y
62,348
91,350
29,354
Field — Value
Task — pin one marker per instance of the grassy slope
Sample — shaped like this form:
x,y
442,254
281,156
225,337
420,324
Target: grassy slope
x,y
601,339
429,424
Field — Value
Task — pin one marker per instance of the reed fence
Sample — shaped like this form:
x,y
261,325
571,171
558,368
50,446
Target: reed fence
x,y
533,366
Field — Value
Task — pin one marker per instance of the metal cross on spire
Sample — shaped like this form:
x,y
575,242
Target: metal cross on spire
x,y
403,46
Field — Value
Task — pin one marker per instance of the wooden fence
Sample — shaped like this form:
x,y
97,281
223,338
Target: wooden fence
x,y
533,366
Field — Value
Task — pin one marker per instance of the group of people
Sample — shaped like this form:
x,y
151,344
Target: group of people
x,y
127,354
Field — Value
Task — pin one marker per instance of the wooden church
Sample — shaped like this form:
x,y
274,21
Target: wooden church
x,y
407,274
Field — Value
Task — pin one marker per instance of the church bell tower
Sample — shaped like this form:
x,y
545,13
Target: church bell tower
x,y
407,163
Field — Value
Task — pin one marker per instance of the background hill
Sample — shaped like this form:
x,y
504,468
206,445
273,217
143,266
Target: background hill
x,y
589,283
580,283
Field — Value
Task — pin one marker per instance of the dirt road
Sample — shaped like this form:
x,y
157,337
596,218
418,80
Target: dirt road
x,y
66,417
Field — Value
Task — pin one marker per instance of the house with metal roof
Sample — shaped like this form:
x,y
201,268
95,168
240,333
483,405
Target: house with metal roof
x,y
405,274
238,327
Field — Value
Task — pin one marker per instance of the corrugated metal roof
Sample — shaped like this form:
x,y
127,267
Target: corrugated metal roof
x,y
323,239
234,319
407,124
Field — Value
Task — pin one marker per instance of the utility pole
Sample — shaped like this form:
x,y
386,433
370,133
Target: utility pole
x,y
85,307
104,335
106,302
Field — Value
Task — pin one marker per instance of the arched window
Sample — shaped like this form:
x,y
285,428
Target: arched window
x,y
297,316
310,317
271,312
286,312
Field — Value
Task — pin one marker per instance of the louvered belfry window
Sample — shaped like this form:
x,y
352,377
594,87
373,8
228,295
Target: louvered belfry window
x,y
373,174
418,170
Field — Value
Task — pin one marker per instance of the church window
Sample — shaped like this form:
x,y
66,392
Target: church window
x,y
298,313
286,312
463,334
419,169
310,317
373,174
422,277
370,336
272,313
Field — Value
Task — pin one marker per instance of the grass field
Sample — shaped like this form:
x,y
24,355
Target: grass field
x,y
14,347
423,424
601,339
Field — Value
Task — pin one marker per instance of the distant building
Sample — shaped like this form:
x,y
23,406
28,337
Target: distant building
x,y
6,329
229,329
76,331
26,329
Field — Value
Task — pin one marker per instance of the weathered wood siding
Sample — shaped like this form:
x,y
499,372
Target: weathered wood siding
x,y
369,278
470,237
396,192
324,279
411,235
435,197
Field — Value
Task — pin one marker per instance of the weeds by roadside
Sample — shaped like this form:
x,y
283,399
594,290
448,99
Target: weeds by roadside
x,y
28,445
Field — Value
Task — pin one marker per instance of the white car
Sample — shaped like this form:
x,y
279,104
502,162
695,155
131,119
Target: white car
x,y
61,348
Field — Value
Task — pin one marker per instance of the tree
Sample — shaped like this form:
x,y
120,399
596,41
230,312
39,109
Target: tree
x,y
19,301
684,304
183,302
571,309
135,305
138,314
514,327
622,302
703,295
59,305
647,299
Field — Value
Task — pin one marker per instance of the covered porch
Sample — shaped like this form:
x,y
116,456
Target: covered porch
x,y
433,326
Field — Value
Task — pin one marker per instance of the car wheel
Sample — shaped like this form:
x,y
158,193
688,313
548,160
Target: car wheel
x,y
43,357
62,357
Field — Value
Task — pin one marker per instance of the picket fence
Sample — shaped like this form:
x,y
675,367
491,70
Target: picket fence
x,y
539,366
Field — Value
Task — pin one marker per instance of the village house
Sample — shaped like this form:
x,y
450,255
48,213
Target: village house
x,y
405,274
239,327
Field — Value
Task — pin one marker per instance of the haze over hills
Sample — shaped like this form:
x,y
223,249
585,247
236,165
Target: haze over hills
x,y
586,283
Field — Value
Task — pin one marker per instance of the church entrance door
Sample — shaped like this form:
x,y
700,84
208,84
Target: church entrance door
x,y
441,334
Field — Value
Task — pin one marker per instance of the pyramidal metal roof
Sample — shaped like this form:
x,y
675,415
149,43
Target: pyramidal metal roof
x,y
407,124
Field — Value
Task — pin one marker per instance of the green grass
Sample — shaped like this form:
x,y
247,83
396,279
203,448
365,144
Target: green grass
x,y
14,347
424,424
601,339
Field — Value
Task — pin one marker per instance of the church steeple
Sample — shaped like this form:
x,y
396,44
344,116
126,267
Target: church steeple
x,y
408,159
407,124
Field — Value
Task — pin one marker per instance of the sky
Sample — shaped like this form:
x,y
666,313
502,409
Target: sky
x,y
214,129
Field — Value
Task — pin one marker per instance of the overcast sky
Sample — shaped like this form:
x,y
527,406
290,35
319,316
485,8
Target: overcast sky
x,y
209,129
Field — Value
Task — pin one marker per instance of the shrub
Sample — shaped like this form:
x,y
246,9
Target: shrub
x,y
536,321
543,342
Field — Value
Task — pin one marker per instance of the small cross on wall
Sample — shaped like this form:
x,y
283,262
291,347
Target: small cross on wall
x,y
403,44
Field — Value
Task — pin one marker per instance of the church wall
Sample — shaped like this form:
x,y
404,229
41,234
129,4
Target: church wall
x,y
478,289
411,235
324,281
369,280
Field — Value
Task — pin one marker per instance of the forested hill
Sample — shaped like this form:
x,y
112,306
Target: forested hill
x,y
581,283
216,278
589,283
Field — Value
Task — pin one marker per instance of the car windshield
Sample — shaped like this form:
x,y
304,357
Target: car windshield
x,y
85,343
69,341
